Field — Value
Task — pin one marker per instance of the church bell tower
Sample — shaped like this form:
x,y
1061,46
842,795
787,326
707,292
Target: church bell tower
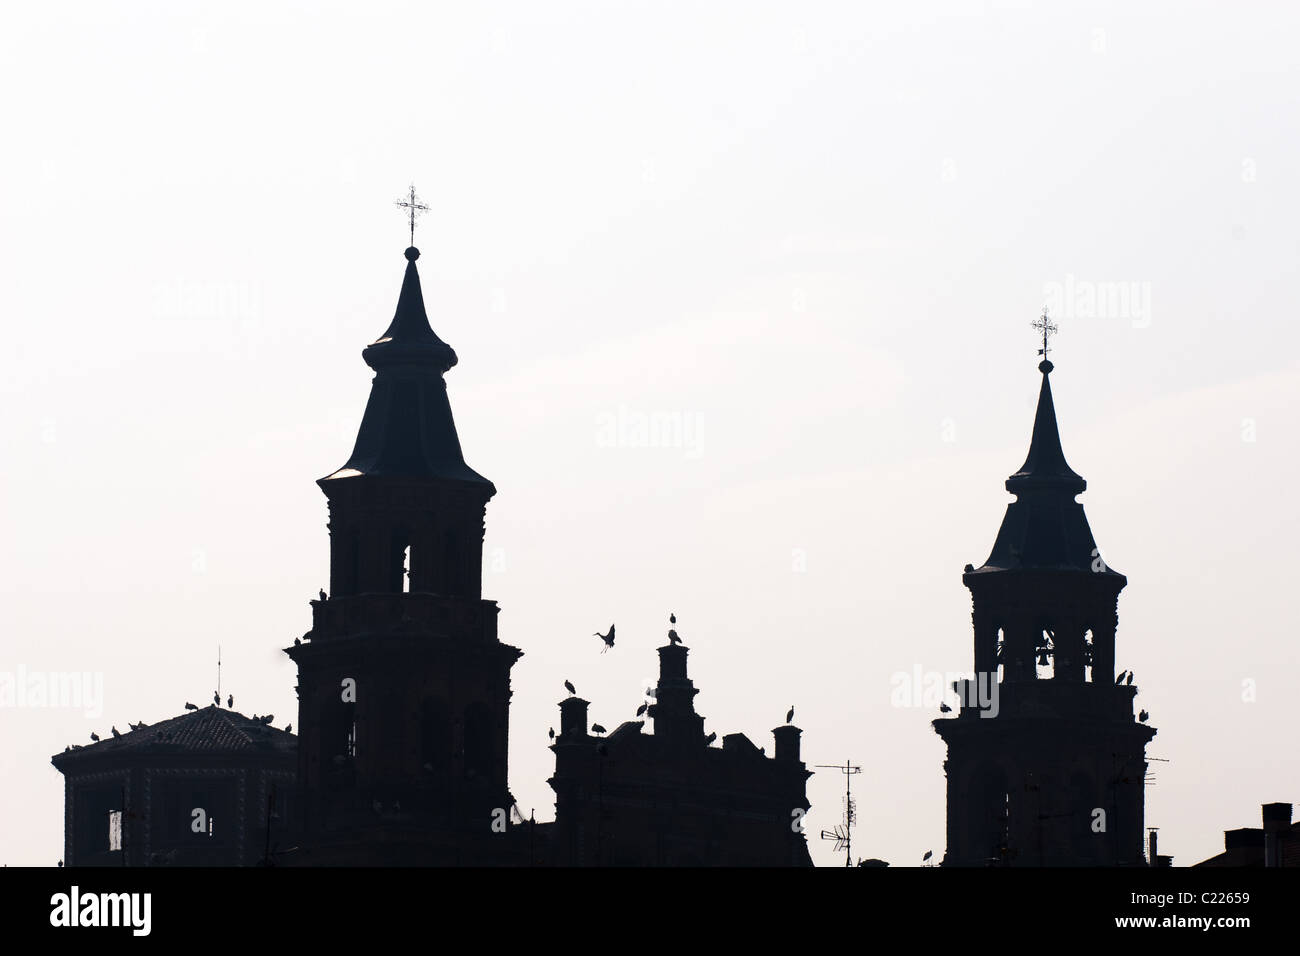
x,y
403,685
1046,760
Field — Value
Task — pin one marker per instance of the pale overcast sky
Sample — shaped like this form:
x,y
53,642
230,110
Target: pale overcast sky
x,y
810,236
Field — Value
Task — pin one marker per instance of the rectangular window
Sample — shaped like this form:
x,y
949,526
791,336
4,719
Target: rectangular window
x,y
114,830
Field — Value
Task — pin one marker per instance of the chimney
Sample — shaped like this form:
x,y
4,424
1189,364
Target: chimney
x,y
1152,856
1277,820
787,742
573,717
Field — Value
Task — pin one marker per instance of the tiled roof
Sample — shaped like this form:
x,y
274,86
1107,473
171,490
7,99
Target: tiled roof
x,y
210,729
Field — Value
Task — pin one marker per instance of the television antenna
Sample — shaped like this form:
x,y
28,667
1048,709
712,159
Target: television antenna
x,y
842,834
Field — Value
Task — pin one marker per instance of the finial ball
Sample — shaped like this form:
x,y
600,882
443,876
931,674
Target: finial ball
x,y
1045,366
412,253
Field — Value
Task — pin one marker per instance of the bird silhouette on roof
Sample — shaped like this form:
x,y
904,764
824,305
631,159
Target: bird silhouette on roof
x,y
597,729
789,714
288,728
672,618
189,706
944,708
216,698
569,687
1143,716
550,732
230,701
607,638
1128,681
711,738
94,736
641,710
673,638
115,731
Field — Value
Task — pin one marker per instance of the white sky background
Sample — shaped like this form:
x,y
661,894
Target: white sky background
x,y
818,233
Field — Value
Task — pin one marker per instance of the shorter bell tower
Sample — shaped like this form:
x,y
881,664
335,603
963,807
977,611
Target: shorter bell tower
x,y
1046,760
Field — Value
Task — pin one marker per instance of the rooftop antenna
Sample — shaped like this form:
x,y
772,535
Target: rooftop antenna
x,y
411,203
218,672
1048,328
843,833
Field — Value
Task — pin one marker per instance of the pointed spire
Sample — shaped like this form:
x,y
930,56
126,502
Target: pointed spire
x,y
1045,466
407,429
409,339
1045,526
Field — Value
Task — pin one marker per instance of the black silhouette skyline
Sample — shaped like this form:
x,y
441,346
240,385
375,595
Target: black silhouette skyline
x,y
742,301
404,695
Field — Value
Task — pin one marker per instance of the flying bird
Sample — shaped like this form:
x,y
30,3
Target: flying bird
x,y
944,708
641,710
607,638
230,700
789,714
597,729
569,687
189,706
673,638
94,736
1143,716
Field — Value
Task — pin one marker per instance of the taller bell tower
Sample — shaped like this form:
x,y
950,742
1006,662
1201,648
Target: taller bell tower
x,y
403,685
1046,761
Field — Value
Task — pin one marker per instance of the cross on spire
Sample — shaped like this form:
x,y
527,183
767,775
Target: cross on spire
x,y
1047,327
413,208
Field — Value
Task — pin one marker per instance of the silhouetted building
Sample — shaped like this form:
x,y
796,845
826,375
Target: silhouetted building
x,y
403,703
403,686
670,798
208,788
1276,843
1050,770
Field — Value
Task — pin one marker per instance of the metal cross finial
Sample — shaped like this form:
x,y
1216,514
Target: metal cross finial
x,y
413,207
1047,327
